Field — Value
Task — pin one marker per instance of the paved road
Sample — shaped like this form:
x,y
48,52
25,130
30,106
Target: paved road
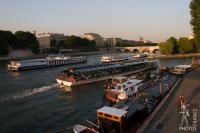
x,y
166,121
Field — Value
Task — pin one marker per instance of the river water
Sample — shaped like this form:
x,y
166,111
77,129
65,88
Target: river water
x,y
32,102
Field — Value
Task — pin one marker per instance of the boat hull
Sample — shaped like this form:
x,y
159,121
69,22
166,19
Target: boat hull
x,y
65,83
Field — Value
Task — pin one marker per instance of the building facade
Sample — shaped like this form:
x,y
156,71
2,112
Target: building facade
x,y
45,39
112,42
94,37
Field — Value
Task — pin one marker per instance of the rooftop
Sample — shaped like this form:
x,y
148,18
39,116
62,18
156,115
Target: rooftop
x,y
184,66
112,111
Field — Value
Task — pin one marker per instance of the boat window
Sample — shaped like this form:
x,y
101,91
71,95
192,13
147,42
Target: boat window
x,y
117,118
107,115
116,81
118,87
100,113
132,88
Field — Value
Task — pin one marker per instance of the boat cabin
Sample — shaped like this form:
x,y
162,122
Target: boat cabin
x,y
119,80
110,119
125,85
181,69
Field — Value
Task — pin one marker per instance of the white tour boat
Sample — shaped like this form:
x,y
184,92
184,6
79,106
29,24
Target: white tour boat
x,y
109,59
140,55
49,61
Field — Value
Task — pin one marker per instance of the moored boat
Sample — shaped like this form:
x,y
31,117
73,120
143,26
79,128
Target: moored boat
x,y
83,129
49,61
95,73
110,59
140,55
181,69
122,88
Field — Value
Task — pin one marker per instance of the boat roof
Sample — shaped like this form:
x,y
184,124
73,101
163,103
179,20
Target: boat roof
x,y
130,83
102,67
133,106
120,77
112,111
98,68
28,60
184,66
135,81
112,56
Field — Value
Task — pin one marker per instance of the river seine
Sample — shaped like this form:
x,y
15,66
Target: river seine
x,y
32,102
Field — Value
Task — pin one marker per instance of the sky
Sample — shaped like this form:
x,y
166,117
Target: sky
x,y
155,20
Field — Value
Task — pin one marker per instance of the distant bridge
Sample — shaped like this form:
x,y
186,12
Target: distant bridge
x,y
141,49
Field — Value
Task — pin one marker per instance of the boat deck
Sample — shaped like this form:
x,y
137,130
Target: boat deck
x,y
111,76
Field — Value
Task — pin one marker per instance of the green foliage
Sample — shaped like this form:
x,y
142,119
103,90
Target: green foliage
x,y
26,40
61,44
173,40
19,40
35,48
75,42
172,46
8,37
4,46
195,21
166,47
53,43
136,44
185,45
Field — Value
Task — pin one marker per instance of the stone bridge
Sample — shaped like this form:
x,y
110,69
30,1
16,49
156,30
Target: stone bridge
x,y
141,49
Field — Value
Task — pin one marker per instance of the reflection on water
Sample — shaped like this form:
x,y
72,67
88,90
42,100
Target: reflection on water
x,y
65,88
15,73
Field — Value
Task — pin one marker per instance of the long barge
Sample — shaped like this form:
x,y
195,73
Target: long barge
x,y
95,73
49,61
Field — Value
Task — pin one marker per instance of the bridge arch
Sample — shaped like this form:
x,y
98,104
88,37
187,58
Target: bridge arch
x,y
135,50
146,50
127,50
156,51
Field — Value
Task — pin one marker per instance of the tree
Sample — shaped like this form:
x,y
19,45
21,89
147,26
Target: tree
x,y
35,48
173,40
185,45
166,47
53,43
4,46
9,37
61,43
78,43
195,21
192,42
26,40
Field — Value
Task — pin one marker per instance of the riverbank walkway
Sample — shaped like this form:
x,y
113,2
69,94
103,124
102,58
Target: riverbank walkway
x,y
166,120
